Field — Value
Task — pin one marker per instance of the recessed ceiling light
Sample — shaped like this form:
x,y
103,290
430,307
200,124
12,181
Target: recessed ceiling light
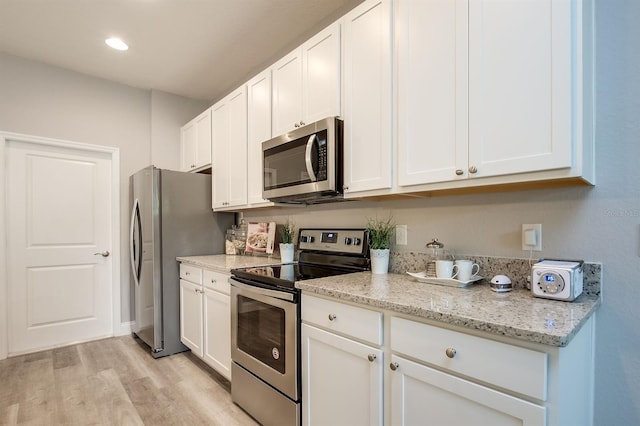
x,y
116,43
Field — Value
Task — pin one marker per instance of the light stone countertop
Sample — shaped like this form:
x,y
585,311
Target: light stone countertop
x,y
516,314
224,263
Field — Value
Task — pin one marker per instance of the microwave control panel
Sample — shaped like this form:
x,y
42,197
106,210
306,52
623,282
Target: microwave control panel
x,y
336,240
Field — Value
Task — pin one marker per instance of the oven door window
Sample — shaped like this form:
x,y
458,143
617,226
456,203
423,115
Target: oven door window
x,y
261,332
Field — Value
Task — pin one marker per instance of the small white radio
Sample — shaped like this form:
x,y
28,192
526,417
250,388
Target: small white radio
x,y
557,279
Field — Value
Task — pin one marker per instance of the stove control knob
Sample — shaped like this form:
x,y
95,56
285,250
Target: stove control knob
x,y
356,241
311,239
306,239
347,241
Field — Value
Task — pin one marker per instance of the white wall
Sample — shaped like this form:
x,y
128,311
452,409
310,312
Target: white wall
x,y
41,100
169,113
600,224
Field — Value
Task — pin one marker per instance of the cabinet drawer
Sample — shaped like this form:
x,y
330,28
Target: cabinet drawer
x,y
216,281
510,367
191,273
350,320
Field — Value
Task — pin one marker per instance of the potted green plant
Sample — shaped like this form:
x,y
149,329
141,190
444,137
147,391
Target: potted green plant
x,y
287,234
380,233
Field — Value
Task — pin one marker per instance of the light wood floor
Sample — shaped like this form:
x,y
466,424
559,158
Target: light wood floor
x,y
116,382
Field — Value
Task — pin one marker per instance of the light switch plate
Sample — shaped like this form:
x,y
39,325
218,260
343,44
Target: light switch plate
x,y
401,235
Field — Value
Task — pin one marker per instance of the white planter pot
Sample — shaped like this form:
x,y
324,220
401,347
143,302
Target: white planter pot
x,y
379,261
286,252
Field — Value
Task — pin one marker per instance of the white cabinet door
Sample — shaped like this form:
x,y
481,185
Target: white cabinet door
x,y
191,316
217,331
306,83
520,86
287,93
195,143
258,131
432,90
421,395
341,380
188,146
368,147
321,75
229,174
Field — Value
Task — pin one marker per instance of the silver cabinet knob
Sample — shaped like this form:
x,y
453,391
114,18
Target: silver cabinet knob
x,y
450,352
213,281
371,357
459,172
473,169
102,253
394,366
296,125
301,123
332,317
345,188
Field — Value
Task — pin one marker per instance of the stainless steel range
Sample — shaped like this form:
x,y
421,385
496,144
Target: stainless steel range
x,y
265,321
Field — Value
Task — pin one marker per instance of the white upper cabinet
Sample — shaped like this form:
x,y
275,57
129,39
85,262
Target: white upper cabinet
x,y
195,143
432,90
520,86
306,83
368,139
493,92
229,171
258,131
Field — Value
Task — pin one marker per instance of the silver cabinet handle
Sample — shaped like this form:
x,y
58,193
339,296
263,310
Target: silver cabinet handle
x,y
102,253
473,169
332,317
371,357
394,366
459,172
296,125
213,281
450,352
301,123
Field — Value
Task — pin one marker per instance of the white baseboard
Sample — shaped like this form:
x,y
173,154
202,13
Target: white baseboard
x,y
124,329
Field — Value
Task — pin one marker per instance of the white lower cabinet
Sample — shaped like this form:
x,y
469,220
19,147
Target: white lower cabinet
x,y
217,322
342,381
426,374
191,316
342,364
205,318
421,395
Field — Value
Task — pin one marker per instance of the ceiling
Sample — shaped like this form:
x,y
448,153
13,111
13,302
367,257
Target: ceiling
x,y
200,49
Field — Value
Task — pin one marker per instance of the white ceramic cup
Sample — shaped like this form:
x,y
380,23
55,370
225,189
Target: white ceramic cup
x,y
446,269
467,270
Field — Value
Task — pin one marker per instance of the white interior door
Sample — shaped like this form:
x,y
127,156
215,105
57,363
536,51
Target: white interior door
x,y
59,235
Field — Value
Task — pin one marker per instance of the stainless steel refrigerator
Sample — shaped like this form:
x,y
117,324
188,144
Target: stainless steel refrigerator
x,y
171,216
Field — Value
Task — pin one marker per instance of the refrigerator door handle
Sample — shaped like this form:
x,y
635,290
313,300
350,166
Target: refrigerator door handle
x,y
136,252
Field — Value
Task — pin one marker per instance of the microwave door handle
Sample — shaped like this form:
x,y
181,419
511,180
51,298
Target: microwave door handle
x,y
307,158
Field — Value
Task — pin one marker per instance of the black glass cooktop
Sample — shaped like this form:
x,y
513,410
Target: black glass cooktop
x,y
285,276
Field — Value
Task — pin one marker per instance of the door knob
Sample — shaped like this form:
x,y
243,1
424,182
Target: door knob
x,y
103,254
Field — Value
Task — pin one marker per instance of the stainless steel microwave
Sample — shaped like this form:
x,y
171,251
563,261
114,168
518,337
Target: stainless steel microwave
x,y
305,165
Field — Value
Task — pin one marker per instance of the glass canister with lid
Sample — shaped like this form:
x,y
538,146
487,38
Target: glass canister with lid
x,y
435,251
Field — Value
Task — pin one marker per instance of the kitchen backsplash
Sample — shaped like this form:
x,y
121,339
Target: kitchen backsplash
x,y
516,269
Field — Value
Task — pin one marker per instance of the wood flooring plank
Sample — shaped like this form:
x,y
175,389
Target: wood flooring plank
x,y
65,357
114,381
115,405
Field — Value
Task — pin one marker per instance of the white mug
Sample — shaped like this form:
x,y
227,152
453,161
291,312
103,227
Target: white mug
x,y
467,270
446,269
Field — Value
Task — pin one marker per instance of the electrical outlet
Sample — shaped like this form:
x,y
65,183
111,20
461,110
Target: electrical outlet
x,y
401,235
532,237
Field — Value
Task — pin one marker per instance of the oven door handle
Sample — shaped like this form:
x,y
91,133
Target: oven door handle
x,y
264,291
307,158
